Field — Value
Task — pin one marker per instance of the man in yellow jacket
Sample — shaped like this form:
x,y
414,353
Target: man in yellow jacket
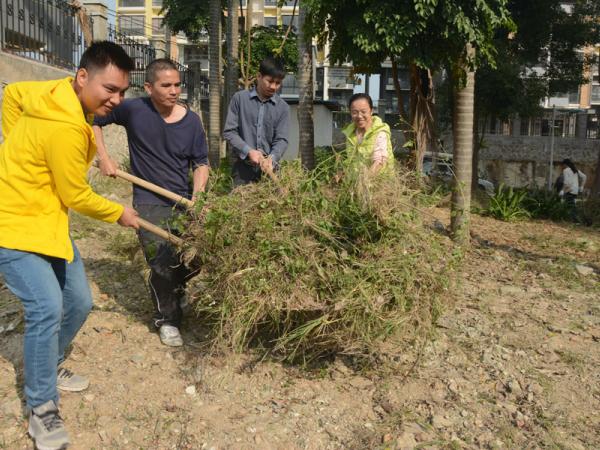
x,y
47,150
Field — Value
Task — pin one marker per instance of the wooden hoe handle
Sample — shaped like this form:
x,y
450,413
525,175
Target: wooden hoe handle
x,y
170,237
156,189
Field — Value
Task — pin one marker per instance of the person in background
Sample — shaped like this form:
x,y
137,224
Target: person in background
x,y
368,138
48,148
573,181
166,143
257,125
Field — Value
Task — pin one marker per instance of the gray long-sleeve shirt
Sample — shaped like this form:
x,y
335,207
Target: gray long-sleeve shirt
x,y
254,124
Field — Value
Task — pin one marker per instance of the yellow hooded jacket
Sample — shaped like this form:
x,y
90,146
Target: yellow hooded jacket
x,y
48,148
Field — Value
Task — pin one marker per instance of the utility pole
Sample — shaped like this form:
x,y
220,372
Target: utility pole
x,y
551,167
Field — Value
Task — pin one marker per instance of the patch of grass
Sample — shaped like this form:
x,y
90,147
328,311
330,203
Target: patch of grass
x,y
123,244
571,359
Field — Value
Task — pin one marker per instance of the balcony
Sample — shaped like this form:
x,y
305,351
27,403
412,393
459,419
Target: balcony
x,y
340,83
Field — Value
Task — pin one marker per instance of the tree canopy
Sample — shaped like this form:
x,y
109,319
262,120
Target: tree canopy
x,y
266,41
188,16
542,58
429,33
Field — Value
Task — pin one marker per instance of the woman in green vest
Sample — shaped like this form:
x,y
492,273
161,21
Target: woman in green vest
x,y
368,138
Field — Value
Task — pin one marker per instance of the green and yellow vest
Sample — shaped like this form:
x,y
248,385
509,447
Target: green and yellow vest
x,y
361,153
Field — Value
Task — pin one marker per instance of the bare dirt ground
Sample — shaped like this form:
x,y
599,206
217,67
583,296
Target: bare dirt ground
x,y
514,363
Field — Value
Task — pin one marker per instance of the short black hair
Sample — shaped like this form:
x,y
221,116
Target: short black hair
x,y
358,96
101,54
272,67
159,65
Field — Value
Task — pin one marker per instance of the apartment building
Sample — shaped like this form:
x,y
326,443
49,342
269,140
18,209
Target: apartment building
x,y
142,20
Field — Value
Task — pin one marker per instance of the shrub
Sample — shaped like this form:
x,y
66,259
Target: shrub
x,y
543,204
507,204
327,265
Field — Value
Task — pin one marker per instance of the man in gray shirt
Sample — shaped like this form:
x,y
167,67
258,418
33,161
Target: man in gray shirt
x,y
257,125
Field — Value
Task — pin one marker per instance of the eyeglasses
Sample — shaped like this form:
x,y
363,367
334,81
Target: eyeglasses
x,y
355,113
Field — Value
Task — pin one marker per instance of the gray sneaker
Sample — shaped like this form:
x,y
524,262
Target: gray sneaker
x,y
46,427
169,335
68,381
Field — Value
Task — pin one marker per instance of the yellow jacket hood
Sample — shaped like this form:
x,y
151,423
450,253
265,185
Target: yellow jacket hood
x,y
48,148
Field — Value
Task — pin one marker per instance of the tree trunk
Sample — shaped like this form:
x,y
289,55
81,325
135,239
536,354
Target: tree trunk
x,y
306,143
477,142
421,112
596,184
462,123
214,81
247,59
232,72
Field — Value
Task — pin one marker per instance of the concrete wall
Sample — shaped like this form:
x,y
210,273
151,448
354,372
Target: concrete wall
x,y
323,125
14,68
522,161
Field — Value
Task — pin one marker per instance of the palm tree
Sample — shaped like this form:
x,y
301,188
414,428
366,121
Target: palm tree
x,y
214,81
306,143
232,38
462,125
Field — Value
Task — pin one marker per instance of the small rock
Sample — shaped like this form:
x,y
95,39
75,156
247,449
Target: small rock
x,y
584,270
89,397
530,396
453,387
190,390
137,358
511,408
103,435
406,441
535,388
439,421
387,438
515,387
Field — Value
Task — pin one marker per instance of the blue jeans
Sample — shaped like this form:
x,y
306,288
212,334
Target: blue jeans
x,y
57,299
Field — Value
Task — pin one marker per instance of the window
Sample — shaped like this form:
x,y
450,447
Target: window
x,y
157,26
133,25
132,3
286,19
270,2
596,94
574,97
157,2
270,21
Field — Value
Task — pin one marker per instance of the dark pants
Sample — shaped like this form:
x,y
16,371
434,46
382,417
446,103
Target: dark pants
x,y
168,275
570,201
244,173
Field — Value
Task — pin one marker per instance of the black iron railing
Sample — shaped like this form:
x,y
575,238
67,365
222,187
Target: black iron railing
x,y
43,30
140,52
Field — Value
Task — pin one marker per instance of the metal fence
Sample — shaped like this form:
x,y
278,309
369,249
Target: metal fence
x,y
47,31
140,52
